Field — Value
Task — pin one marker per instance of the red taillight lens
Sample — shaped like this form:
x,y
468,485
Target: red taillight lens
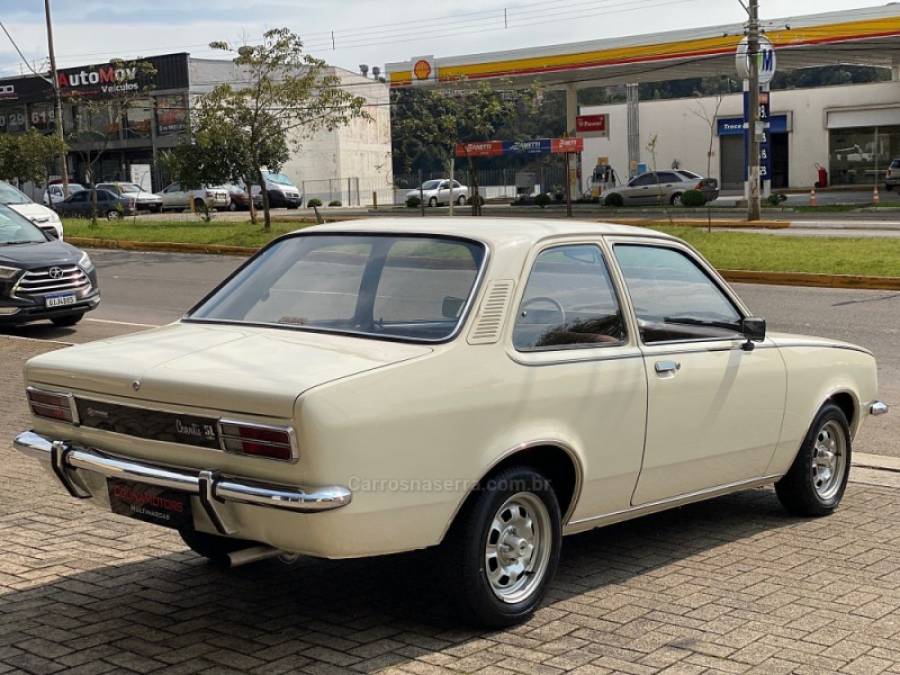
x,y
257,440
50,405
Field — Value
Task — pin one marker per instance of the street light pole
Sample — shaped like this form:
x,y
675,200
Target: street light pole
x,y
60,133
753,205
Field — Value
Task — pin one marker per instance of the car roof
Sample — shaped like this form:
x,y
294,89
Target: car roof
x,y
494,231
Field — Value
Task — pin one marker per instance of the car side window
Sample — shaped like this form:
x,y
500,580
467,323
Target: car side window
x,y
644,179
673,297
668,177
79,196
569,302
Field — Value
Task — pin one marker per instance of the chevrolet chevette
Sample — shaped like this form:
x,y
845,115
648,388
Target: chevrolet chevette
x,y
483,386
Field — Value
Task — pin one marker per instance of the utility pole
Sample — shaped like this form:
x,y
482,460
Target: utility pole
x,y
753,204
58,126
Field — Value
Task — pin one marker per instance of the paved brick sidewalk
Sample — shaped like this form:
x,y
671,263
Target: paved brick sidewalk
x,y
729,586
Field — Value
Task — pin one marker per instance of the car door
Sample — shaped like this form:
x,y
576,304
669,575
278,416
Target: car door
x,y
173,197
714,409
638,191
580,375
669,183
77,204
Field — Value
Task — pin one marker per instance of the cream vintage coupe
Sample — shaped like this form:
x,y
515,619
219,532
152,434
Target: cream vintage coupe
x,y
483,386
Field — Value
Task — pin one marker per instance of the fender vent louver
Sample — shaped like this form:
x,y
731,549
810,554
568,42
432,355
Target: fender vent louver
x,y
489,322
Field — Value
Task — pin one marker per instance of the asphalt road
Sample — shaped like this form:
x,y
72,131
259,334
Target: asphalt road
x,y
148,289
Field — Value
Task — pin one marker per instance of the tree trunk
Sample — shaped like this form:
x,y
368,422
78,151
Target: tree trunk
x,y
267,216
476,198
249,185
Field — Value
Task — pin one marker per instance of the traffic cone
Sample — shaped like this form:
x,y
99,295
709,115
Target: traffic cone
x,y
876,199
812,196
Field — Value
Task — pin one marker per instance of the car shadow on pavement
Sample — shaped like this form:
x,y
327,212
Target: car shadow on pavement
x,y
351,614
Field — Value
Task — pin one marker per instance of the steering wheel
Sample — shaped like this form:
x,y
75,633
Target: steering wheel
x,y
543,298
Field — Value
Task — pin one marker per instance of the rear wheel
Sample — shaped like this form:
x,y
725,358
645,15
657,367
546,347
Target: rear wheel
x,y
211,546
65,321
112,214
502,551
199,205
614,199
433,202
676,199
816,481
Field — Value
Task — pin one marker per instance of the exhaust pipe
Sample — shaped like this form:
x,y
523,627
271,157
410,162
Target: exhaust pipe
x,y
251,555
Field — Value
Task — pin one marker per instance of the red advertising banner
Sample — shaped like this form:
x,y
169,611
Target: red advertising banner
x,y
480,149
563,145
594,125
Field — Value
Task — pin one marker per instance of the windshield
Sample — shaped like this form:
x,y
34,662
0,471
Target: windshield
x,y
130,187
10,195
16,229
431,184
390,286
279,178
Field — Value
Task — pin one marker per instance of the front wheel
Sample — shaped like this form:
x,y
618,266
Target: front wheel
x,y
113,215
461,201
816,481
502,551
433,202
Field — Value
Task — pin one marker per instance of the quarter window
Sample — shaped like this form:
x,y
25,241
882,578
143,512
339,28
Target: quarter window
x,y
673,297
569,302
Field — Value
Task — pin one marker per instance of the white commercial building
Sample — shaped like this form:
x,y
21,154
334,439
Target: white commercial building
x,y
853,131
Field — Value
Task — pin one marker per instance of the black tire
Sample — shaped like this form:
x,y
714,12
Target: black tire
x,y
887,187
461,201
232,205
112,214
199,205
433,202
66,321
614,199
211,546
293,205
797,490
465,547
676,199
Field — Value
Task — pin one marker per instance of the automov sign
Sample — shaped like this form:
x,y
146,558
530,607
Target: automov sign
x,y
765,60
106,79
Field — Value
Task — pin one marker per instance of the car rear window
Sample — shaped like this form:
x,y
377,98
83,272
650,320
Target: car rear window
x,y
895,164
389,286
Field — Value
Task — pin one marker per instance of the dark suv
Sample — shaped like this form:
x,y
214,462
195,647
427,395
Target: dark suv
x,y
41,277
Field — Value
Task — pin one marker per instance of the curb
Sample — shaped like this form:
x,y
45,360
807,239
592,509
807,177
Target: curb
x,y
743,224
161,246
813,280
737,276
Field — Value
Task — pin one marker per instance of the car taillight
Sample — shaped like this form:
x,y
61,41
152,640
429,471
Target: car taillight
x,y
257,440
51,405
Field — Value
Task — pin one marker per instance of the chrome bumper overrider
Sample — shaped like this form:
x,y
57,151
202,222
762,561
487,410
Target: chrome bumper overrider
x,y
210,487
878,408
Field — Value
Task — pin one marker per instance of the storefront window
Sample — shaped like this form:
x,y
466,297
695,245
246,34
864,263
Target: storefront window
x,y
862,155
171,114
97,121
12,120
43,117
138,118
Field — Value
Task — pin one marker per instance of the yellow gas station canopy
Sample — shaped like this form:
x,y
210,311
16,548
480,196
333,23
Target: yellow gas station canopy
x,y
869,36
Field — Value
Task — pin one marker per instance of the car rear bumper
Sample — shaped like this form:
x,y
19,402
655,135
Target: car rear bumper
x,y
213,490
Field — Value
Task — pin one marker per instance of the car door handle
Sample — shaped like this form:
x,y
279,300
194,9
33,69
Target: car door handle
x,y
667,367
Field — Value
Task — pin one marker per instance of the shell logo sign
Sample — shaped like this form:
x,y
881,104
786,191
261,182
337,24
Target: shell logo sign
x,y
423,70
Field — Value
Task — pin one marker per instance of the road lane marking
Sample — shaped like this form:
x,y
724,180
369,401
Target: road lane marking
x,y
126,323
34,339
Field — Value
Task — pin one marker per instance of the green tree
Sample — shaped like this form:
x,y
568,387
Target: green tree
x,y
28,157
287,95
432,122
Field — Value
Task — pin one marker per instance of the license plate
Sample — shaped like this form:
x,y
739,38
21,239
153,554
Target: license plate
x,y
150,503
59,300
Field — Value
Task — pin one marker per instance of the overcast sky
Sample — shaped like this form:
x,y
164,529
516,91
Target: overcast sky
x,y
365,31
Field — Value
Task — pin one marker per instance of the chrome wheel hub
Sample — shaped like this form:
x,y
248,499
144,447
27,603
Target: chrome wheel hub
x,y
829,460
517,548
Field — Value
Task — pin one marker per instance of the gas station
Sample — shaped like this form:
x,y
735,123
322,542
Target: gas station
x,y
619,132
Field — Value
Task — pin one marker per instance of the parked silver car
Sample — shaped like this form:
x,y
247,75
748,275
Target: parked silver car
x,y
661,187
174,196
438,192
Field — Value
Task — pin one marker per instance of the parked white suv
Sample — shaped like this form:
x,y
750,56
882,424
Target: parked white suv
x,y
38,214
282,191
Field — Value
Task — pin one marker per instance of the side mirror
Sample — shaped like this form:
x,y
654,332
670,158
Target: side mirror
x,y
754,329
451,307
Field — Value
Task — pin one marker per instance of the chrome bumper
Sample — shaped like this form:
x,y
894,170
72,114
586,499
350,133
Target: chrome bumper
x,y
878,408
210,487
